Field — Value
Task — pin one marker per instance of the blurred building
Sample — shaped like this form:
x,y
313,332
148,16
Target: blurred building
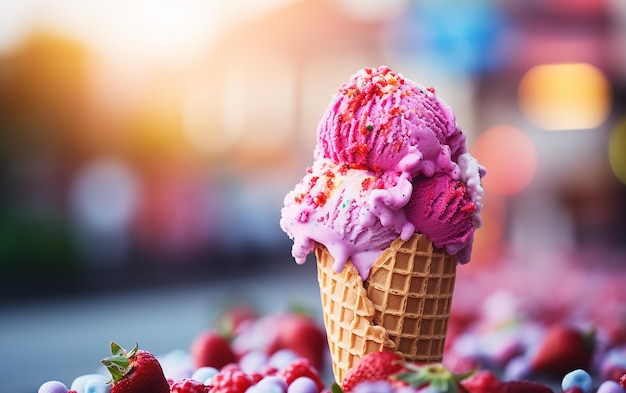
x,y
157,140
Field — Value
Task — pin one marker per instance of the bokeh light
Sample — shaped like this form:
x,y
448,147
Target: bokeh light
x,y
510,158
373,9
617,150
105,194
572,96
489,239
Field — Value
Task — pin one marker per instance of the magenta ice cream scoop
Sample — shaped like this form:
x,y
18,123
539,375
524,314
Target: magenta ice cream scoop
x,y
390,161
384,122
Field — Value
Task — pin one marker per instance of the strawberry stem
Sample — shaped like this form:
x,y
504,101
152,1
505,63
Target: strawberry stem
x,y
435,375
119,363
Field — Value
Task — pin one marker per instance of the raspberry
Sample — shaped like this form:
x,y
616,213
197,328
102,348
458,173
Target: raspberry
x,y
302,367
230,381
188,386
482,381
615,373
256,377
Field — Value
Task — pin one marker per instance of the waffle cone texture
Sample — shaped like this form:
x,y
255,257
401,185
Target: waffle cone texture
x,y
403,306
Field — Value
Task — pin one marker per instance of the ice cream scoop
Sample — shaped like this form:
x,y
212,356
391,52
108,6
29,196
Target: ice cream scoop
x,y
383,122
390,160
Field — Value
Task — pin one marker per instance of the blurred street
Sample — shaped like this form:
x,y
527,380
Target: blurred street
x,y
62,338
146,148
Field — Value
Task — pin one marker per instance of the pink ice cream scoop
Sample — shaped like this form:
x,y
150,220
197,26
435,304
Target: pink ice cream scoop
x,y
389,161
384,122
442,208
330,205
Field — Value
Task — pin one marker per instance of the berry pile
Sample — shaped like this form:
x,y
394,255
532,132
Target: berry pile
x,y
287,353
520,348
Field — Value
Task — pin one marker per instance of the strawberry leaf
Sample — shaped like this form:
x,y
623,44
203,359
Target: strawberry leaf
x,y
437,376
118,366
133,351
335,388
116,350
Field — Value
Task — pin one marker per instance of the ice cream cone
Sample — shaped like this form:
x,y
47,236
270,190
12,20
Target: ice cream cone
x,y
411,286
403,306
348,315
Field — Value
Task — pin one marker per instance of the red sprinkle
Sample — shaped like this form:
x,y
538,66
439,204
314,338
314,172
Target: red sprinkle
x,y
303,217
361,151
319,199
366,183
330,177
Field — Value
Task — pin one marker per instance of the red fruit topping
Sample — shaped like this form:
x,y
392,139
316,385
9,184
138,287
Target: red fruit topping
x,y
573,389
301,367
188,386
256,377
375,366
622,381
482,381
135,371
615,373
230,381
562,350
305,336
211,349
524,387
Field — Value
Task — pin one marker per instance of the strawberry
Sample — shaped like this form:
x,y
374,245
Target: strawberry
x,y
187,385
482,381
524,387
302,334
375,366
562,350
135,371
211,349
301,367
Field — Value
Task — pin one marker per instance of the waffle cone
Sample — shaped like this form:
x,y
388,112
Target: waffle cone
x,y
403,306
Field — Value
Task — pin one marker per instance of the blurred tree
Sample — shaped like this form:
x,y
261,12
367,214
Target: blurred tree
x,y
43,90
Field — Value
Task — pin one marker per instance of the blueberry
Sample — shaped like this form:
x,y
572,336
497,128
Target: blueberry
x,y
274,384
303,385
52,387
610,386
517,368
79,382
373,387
579,378
96,385
253,361
204,374
281,358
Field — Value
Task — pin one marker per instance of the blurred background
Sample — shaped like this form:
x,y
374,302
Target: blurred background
x,y
149,144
